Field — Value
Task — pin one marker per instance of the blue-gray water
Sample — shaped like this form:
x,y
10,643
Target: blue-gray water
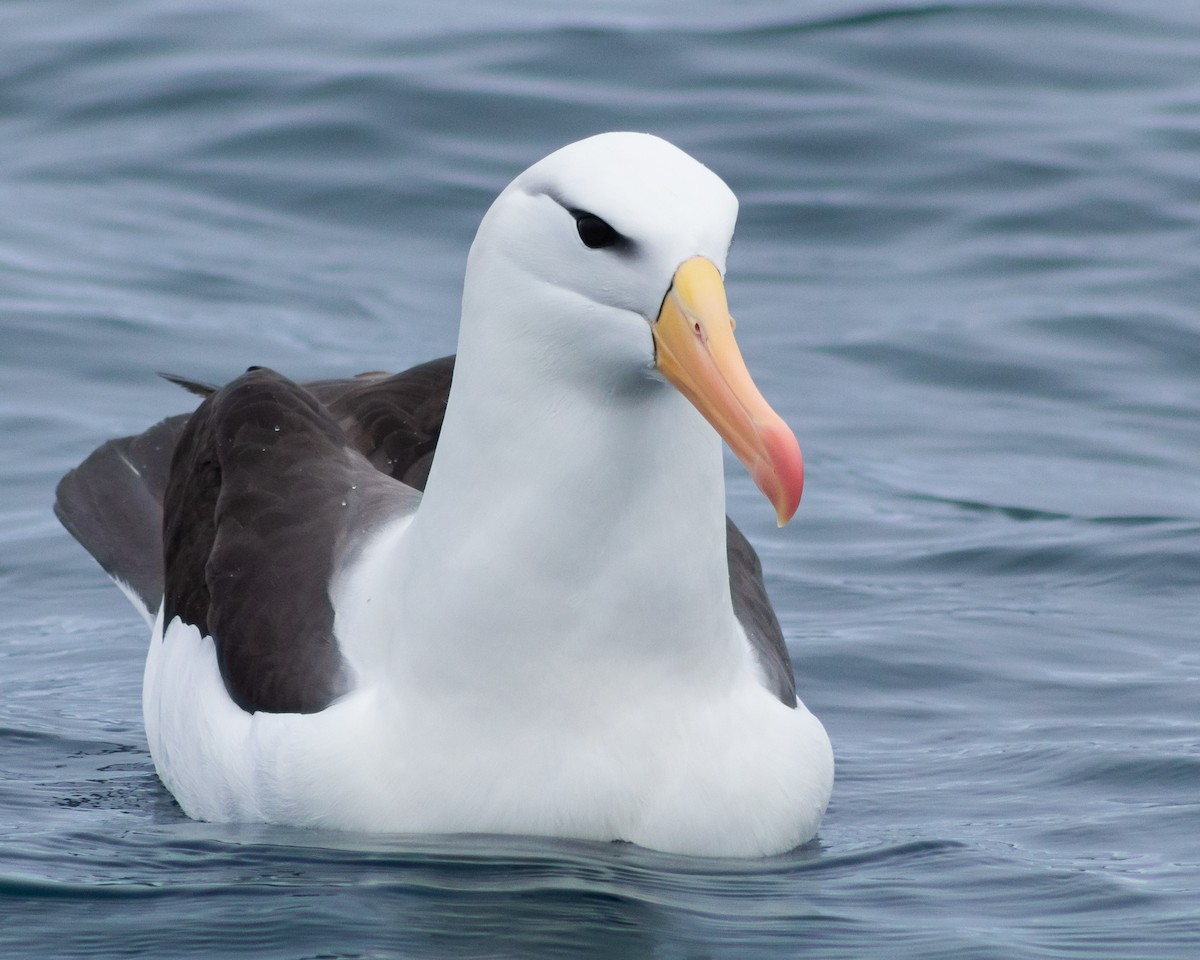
x,y
967,271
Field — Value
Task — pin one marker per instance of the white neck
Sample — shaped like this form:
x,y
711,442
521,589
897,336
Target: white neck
x,y
570,526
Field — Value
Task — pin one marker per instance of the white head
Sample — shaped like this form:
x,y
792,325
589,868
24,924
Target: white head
x,y
600,268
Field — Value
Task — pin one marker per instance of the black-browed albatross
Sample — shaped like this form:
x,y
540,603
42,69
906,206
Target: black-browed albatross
x,y
561,635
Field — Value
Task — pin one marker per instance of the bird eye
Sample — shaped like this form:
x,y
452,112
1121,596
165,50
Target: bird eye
x,y
594,232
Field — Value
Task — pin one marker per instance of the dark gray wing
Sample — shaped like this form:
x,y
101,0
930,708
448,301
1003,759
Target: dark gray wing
x,y
112,504
395,421
753,609
264,499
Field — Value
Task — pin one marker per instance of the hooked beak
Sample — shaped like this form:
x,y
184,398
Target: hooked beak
x,y
696,351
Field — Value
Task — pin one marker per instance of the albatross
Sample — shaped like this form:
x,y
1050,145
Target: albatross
x,y
497,592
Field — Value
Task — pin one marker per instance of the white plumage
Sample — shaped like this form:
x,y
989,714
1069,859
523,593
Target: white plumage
x,y
548,645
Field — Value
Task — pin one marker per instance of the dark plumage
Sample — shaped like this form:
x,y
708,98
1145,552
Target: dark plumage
x,y
243,511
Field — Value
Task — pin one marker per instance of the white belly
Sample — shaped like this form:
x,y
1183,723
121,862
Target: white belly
x,y
735,775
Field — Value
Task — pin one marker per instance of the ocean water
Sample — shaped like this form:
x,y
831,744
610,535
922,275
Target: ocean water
x,y
967,271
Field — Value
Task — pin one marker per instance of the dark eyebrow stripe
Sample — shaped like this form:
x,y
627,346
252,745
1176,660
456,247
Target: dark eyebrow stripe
x,y
625,245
